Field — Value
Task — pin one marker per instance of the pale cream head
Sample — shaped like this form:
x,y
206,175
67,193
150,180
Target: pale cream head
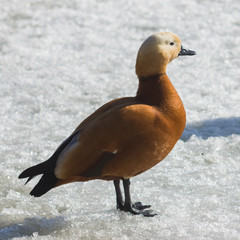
x,y
156,52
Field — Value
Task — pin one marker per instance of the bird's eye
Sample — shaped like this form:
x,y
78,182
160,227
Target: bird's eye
x,y
171,43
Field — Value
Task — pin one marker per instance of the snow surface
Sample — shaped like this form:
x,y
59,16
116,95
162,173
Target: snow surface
x,y
61,60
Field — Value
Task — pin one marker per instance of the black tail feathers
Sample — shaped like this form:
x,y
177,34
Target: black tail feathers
x,y
47,181
32,172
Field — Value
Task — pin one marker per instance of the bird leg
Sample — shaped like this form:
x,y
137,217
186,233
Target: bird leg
x,y
118,194
128,206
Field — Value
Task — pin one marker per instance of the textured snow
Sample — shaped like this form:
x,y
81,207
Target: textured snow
x,y
61,60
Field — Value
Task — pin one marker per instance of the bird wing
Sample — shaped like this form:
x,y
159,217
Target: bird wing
x,y
106,107
118,134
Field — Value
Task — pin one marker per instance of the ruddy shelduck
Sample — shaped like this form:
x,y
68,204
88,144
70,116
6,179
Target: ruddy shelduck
x,y
126,136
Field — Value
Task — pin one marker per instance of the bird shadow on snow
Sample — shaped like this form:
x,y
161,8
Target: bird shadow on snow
x,y
220,127
38,226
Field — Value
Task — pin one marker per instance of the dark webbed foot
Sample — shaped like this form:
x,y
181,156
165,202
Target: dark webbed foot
x,y
136,208
139,206
148,213
139,210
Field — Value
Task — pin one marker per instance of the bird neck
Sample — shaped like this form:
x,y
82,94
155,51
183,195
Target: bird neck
x,y
157,90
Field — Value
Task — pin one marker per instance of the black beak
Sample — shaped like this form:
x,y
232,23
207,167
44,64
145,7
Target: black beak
x,y
185,52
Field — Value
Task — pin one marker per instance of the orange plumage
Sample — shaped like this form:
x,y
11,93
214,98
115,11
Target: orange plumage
x,y
126,136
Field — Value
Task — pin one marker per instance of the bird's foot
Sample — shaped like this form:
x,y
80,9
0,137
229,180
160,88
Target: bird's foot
x,y
138,209
148,213
139,206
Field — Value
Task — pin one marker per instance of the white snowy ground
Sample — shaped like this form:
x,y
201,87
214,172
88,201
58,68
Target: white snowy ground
x,y
61,60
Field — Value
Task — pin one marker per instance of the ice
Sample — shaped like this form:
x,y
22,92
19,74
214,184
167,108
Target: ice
x,y
61,60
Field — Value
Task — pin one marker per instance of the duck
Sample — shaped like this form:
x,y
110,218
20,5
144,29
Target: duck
x,y
126,136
